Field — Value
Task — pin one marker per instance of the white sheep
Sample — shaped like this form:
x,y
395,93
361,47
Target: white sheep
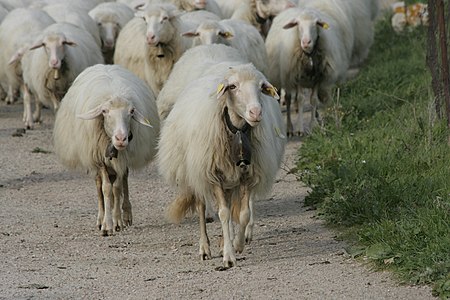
x,y
59,54
151,43
17,32
100,105
183,5
65,12
360,14
85,5
222,143
308,48
259,12
111,17
235,33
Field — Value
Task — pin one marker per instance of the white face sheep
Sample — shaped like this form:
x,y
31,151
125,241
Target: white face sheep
x,y
159,28
314,54
111,17
111,109
54,45
232,160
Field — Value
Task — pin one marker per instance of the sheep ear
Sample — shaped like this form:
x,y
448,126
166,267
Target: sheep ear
x,y
226,34
322,24
222,88
270,90
291,24
69,43
17,56
92,114
36,45
138,117
190,34
138,8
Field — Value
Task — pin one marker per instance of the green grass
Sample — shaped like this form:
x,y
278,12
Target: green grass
x,y
383,174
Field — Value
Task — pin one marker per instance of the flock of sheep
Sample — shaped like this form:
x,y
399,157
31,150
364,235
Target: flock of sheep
x,y
192,84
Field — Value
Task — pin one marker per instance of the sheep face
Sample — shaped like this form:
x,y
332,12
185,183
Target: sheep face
x,y
200,4
269,8
210,32
108,33
243,87
308,31
159,26
117,114
54,45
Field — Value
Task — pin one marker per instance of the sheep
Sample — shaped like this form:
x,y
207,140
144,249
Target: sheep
x,y
233,159
258,12
308,48
152,42
59,54
111,17
416,14
69,13
360,14
100,105
85,5
236,34
17,32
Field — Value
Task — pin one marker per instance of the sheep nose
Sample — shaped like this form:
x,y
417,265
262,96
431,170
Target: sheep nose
x,y
255,113
306,42
109,43
54,62
121,138
151,38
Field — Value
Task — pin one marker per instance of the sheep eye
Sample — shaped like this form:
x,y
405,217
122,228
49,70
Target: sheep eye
x,y
164,19
232,86
104,111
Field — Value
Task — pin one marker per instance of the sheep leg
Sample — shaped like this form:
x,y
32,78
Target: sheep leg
x,y
37,112
289,127
244,217
229,259
117,190
251,223
55,102
298,125
126,206
27,113
313,100
101,204
204,251
107,224
10,95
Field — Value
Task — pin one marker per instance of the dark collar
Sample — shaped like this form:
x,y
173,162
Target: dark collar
x,y
230,125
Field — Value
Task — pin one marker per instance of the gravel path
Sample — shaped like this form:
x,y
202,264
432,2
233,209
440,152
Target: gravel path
x,y
50,249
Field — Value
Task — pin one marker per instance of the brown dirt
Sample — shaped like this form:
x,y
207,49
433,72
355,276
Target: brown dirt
x,y
50,248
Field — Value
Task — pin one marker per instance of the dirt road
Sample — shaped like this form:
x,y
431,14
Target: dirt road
x,y
50,249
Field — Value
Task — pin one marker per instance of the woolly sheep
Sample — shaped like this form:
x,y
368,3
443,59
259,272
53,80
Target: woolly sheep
x,y
17,33
71,14
59,54
308,48
258,12
151,43
111,17
235,33
204,162
100,105
85,5
360,14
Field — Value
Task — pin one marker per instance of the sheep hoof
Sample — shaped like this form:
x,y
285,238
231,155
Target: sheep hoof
x,y
127,219
229,263
205,256
248,240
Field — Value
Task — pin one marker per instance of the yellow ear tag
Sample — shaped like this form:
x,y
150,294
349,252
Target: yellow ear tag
x,y
220,88
325,25
272,91
278,132
228,34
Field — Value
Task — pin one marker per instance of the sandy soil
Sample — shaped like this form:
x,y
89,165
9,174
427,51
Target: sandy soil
x,y
50,249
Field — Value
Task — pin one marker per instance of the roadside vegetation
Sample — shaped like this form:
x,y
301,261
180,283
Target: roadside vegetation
x,y
380,168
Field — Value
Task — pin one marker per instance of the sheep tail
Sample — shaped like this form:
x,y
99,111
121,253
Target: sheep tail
x,y
180,207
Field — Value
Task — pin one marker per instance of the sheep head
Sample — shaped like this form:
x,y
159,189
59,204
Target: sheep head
x,y
308,30
117,114
270,8
210,32
158,18
242,88
54,45
109,28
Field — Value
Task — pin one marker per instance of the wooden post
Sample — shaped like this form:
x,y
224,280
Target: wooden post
x,y
432,58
